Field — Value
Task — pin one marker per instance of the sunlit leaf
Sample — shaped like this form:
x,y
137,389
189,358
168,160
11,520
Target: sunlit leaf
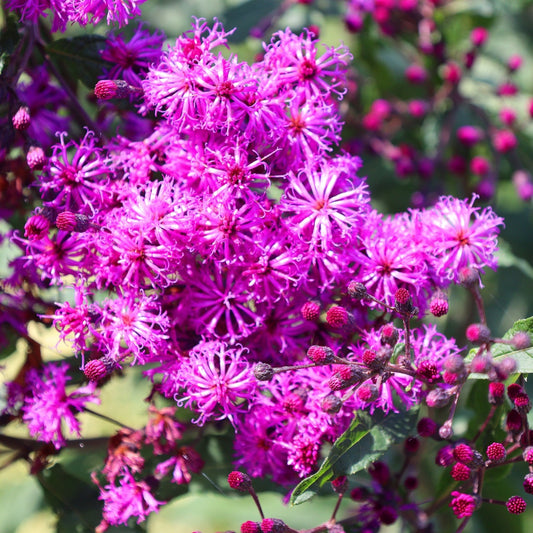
x,y
365,441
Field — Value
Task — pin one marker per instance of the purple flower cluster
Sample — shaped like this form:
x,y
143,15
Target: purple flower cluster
x,y
212,232
82,12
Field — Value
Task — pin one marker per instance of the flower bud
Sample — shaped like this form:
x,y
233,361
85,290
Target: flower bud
x,y
108,89
22,119
263,372
35,158
239,481
478,334
357,290
310,311
320,355
331,404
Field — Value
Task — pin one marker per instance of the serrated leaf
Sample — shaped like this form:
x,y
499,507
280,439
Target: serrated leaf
x,y
365,441
81,55
523,358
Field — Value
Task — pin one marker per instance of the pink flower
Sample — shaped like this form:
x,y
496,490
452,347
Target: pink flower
x,y
49,405
129,499
463,505
461,235
215,379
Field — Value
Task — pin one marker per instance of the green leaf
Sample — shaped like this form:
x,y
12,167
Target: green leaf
x,y
81,56
74,501
523,358
249,14
9,38
506,258
365,441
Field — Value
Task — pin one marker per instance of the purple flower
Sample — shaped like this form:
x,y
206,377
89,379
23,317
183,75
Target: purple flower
x,y
133,326
389,258
293,60
49,405
220,299
78,182
215,380
327,202
461,235
463,505
129,499
132,58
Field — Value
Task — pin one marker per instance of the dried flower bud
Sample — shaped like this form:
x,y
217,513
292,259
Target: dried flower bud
x,y
263,372
331,404
357,290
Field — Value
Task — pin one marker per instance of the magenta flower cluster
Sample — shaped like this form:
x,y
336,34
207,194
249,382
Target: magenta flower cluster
x,y
211,233
224,242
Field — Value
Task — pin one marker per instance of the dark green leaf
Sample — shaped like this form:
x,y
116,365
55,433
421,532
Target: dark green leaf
x,y
81,56
506,258
367,439
249,14
524,358
74,500
9,38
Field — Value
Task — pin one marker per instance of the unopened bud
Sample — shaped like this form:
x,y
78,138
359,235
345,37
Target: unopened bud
x,y
22,118
404,303
478,333
468,277
108,89
437,398
239,481
439,304
357,290
35,158
310,311
98,369
320,355
521,340
263,372
68,221
389,335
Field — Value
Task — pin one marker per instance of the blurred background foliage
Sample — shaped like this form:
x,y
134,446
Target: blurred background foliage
x,y
508,293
